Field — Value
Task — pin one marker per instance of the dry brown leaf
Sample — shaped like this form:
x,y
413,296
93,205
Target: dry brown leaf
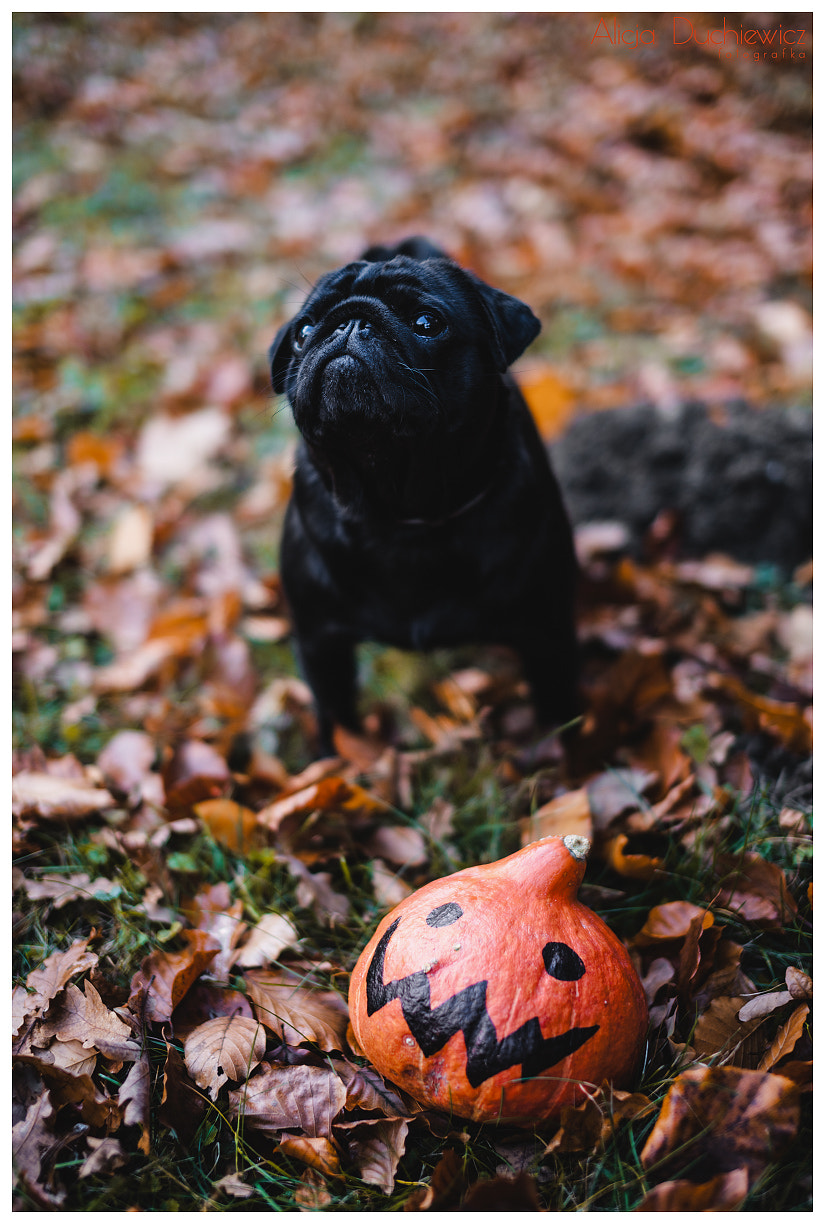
x,y
280,1098
93,1105
672,920
328,794
755,890
367,1090
763,1004
720,1031
625,863
446,1186
579,1130
82,1016
127,760
296,1014
31,1139
134,1100
376,1148
228,1047
267,940
195,772
787,1037
312,1194
318,1152
799,984
404,846
315,892
105,1156
56,798
715,1117
182,1106
789,722
61,890
507,1194
568,813
726,1192
388,887
231,824
72,1056
164,977
49,979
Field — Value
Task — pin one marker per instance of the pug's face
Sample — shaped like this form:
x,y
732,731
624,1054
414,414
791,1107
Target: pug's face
x,y
401,349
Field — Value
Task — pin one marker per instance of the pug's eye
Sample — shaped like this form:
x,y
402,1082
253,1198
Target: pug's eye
x,y
302,335
428,323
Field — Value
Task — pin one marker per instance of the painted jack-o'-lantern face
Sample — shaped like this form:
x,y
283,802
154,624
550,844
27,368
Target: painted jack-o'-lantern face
x,y
494,993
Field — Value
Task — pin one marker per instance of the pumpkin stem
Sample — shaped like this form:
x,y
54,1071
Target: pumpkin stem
x,y
578,846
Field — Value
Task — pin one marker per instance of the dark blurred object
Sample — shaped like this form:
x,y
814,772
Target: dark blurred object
x,y
736,480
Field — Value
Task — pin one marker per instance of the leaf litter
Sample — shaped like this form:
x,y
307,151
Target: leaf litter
x,y
191,889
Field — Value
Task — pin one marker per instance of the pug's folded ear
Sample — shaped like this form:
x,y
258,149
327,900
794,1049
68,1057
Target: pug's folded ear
x,y
513,325
280,352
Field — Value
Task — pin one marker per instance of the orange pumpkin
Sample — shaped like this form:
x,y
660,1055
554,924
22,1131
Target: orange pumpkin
x,y
494,994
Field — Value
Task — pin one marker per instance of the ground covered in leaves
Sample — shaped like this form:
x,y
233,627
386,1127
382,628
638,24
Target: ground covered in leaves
x,y
191,887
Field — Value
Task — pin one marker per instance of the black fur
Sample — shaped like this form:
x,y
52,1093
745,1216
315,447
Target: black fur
x,y
424,512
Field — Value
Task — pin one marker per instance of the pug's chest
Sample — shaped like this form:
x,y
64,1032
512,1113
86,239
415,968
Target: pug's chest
x,y
420,599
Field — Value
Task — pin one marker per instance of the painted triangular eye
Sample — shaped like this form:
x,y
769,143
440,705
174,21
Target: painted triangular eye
x,y
562,963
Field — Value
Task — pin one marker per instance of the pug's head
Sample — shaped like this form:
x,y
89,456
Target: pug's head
x,y
397,348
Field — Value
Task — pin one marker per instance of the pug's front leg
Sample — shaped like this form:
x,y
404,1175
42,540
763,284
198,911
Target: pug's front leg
x,y
327,660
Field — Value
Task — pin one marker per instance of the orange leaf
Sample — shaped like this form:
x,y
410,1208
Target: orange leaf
x,y
231,824
671,921
550,400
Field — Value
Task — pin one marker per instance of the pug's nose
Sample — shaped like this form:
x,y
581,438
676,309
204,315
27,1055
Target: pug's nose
x,y
355,328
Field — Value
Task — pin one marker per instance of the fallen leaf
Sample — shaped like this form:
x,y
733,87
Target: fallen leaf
x,y
329,794
231,824
195,772
726,1192
130,539
106,1156
134,1099
785,1040
518,1193
318,1152
315,892
49,979
389,889
31,1139
402,845
267,940
182,1106
164,977
670,921
312,1194
447,1185
228,1047
764,1004
295,1014
721,1031
568,813
618,855
722,1118
799,984
72,1056
755,890
93,1106
61,890
126,760
82,1016
55,798
376,1148
280,1098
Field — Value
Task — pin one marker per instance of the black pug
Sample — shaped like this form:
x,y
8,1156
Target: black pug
x,y
424,512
